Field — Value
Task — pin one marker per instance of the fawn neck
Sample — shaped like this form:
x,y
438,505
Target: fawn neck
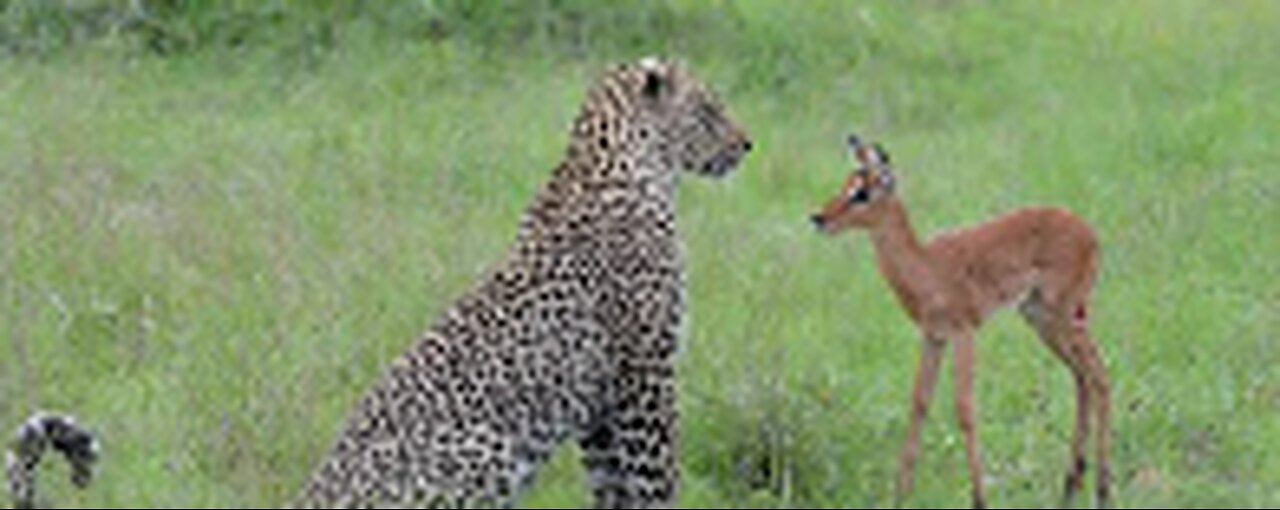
x,y
900,256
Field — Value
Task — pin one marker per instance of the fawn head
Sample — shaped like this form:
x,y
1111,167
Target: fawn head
x,y
861,201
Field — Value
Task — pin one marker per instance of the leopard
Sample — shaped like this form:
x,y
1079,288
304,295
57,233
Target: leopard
x,y
573,336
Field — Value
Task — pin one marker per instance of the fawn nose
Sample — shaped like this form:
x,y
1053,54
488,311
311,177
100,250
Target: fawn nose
x,y
818,220
746,145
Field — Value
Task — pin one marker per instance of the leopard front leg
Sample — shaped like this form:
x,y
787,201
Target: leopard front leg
x,y
631,453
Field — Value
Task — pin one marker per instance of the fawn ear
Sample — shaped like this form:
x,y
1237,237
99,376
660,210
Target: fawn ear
x,y
854,145
882,156
868,155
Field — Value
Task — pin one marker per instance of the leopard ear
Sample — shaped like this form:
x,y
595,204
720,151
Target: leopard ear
x,y
655,82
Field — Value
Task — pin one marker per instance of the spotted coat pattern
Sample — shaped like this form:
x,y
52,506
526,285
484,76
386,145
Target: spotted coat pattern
x,y
41,434
572,337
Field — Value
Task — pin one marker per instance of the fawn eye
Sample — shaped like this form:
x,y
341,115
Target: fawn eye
x,y
858,196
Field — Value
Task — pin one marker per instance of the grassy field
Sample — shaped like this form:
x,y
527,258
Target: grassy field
x,y
209,255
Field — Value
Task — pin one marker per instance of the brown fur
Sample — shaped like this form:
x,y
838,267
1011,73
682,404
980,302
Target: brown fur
x,y
1043,258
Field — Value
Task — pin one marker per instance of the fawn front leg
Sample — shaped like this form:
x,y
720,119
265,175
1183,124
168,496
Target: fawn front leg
x,y
965,411
926,379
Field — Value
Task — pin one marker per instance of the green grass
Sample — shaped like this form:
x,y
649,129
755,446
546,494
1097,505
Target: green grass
x,y
209,256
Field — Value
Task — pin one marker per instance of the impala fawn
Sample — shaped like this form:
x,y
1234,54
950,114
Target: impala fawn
x,y
1044,259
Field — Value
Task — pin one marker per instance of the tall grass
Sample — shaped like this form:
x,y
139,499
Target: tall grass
x,y
208,250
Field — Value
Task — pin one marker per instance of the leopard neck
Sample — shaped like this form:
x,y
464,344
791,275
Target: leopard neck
x,y
606,185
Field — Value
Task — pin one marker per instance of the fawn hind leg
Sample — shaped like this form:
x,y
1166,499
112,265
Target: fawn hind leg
x,y
1100,387
1084,351
1065,331
1050,331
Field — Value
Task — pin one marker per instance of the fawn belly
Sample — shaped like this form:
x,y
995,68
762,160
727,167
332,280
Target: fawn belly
x,y
1012,290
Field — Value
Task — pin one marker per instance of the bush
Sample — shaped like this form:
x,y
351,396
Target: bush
x,y
181,26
